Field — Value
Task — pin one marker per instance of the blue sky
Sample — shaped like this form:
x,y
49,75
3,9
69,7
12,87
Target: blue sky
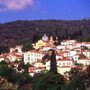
x,y
11,10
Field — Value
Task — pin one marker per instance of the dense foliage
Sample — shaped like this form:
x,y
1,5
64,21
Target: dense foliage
x,y
43,81
13,33
26,45
4,49
10,78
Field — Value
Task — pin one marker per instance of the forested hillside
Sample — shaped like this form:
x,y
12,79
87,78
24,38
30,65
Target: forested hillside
x,y
13,33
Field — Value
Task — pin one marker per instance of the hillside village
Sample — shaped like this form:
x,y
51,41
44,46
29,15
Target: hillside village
x,y
68,54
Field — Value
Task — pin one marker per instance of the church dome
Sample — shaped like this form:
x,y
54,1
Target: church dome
x,y
45,38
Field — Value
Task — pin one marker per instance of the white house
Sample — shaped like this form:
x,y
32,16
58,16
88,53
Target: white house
x,y
71,46
75,57
78,44
39,67
64,62
72,53
68,42
14,56
36,68
33,56
61,47
87,44
18,48
46,48
84,61
63,65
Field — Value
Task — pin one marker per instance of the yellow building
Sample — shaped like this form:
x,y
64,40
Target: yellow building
x,y
44,42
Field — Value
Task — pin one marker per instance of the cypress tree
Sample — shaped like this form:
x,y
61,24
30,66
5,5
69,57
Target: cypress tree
x,y
52,57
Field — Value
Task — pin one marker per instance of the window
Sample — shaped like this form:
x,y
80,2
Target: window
x,y
31,54
28,58
69,63
28,55
36,55
35,59
39,55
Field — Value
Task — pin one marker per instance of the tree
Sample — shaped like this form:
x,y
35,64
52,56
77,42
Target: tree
x,y
14,77
88,69
82,56
6,72
88,75
77,79
47,80
88,39
80,32
84,48
53,64
66,34
77,84
27,46
52,57
27,65
4,49
36,37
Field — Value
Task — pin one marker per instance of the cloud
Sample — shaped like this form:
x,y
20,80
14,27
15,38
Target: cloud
x,y
15,4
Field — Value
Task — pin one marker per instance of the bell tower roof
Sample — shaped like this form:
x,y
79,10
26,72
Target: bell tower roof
x,y
45,38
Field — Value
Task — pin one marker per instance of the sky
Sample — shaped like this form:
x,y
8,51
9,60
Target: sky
x,y
12,10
